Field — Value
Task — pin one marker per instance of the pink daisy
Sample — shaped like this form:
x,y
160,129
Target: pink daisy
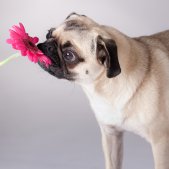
x,y
20,40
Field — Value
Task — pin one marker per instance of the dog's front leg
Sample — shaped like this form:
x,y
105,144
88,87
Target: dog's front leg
x,y
160,148
112,141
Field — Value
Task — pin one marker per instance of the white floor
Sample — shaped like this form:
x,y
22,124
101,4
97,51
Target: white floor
x,y
50,152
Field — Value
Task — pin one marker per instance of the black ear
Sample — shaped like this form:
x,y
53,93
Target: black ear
x,y
107,55
49,34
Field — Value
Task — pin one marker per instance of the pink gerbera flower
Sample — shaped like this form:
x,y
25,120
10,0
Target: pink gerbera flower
x,y
20,40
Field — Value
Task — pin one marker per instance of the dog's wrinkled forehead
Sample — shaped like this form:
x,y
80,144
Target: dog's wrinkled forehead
x,y
77,22
73,23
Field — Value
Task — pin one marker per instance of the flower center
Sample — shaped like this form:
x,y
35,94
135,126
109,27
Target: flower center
x,y
30,45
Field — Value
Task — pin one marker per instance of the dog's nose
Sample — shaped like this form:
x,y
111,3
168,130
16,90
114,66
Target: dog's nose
x,y
50,50
40,46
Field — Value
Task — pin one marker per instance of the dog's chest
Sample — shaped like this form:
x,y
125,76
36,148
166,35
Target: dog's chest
x,y
113,113
106,112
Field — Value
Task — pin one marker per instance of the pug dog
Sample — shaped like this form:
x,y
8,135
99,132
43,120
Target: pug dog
x,y
125,79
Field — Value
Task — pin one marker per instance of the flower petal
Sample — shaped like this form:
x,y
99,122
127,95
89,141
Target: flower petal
x,y
22,27
35,59
13,34
35,40
23,52
45,60
14,46
20,47
19,41
9,41
30,56
18,30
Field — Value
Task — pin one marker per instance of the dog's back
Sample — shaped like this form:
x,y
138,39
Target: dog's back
x,y
159,40
163,37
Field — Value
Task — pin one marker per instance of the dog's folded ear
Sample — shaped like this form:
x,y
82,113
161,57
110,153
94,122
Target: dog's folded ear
x,y
107,55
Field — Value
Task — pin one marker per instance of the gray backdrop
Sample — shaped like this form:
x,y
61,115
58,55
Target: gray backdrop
x,y
47,123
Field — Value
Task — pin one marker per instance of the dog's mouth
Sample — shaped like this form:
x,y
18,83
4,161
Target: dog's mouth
x,y
56,71
58,67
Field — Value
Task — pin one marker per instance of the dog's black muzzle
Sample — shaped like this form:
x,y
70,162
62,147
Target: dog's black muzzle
x,y
50,49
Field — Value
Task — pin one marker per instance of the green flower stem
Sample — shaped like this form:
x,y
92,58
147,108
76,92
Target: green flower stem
x,y
9,58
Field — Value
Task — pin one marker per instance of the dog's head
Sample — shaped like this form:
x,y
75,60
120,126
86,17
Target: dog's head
x,y
80,50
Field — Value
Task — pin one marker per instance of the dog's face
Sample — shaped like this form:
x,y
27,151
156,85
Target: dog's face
x,y
80,51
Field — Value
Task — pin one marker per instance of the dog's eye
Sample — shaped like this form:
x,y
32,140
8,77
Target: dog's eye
x,y
69,56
